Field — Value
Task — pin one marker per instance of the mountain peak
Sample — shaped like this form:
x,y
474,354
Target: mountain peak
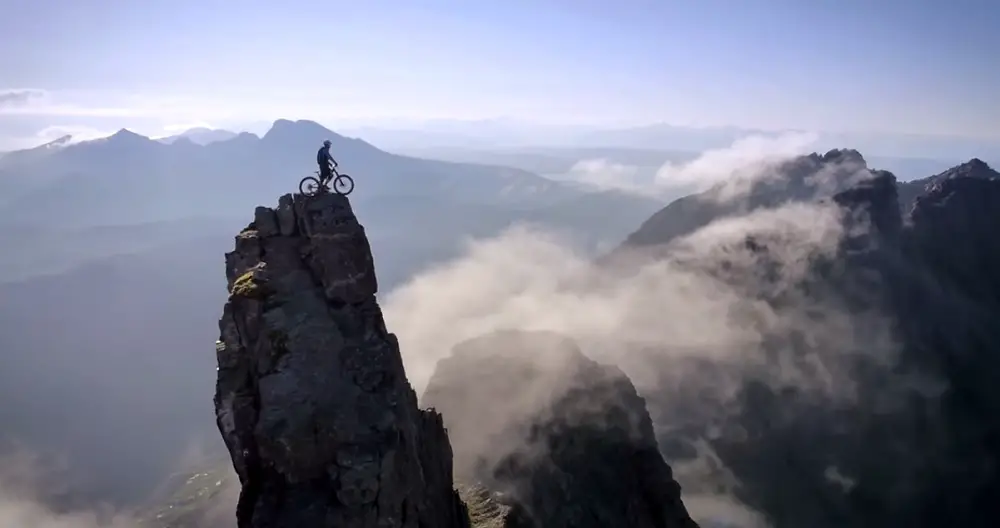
x,y
59,142
974,168
299,130
126,135
312,400
844,155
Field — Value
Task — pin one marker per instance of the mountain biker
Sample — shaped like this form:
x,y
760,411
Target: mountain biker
x,y
325,161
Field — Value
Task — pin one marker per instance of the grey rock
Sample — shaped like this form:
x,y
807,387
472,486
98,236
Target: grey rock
x,y
916,445
286,215
265,221
561,440
312,401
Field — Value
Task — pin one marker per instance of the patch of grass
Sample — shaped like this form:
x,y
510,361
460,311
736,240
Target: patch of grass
x,y
248,286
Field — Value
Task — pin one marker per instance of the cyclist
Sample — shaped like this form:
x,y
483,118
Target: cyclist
x,y
326,162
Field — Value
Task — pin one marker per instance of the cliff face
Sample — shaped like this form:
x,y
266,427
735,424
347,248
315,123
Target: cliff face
x,y
918,446
562,440
803,178
312,401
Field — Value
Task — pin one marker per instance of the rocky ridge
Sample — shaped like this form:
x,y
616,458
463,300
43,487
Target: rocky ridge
x,y
312,400
561,440
917,446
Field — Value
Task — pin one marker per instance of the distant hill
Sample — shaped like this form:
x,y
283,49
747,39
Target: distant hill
x,y
200,136
130,178
107,265
59,201
798,181
909,445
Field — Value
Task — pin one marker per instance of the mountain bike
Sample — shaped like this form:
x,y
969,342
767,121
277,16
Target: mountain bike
x,y
313,185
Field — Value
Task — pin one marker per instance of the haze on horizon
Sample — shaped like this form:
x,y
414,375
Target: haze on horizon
x,y
158,67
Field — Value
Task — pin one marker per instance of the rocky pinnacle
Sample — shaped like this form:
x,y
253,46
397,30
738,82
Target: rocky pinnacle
x,y
312,400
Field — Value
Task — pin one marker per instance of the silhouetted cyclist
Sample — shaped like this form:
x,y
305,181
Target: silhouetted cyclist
x,y
326,162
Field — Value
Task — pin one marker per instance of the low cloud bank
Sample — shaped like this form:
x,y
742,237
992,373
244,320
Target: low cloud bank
x,y
703,302
733,168
33,494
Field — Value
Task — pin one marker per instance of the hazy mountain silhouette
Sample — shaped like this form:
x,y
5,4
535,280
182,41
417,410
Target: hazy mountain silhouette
x,y
128,178
110,253
200,136
795,180
906,432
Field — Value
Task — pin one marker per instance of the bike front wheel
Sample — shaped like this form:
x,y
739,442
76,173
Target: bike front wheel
x,y
343,184
309,186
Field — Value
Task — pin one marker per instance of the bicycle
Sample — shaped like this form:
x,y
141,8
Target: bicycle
x,y
313,185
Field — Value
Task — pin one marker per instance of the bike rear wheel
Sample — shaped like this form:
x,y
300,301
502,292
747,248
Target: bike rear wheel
x,y
309,186
343,184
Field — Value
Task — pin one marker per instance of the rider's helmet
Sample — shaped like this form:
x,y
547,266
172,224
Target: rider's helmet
x,y
326,143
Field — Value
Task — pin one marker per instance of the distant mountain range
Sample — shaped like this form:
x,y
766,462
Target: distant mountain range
x,y
109,280
503,134
916,443
200,136
128,178
420,208
100,236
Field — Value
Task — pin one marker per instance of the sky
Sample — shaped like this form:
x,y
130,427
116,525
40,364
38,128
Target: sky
x,y
154,66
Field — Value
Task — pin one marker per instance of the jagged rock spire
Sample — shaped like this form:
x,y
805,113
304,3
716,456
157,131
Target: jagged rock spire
x,y
312,399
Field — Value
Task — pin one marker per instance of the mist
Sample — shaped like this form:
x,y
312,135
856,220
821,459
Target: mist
x,y
732,169
703,300
132,380
30,484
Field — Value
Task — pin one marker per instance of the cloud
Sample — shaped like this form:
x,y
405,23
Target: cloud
x,y
13,98
526,279
701,302
694,306
78,132
605,174
731,169
30,495
696,300
737,165
38,491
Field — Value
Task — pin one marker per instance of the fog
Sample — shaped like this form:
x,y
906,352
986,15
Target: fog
x,y
29,484
732,168
703,301
699,303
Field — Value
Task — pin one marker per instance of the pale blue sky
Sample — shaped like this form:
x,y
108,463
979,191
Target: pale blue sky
x,y
917,66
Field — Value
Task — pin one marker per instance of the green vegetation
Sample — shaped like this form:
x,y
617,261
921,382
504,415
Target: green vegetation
x,y
248,286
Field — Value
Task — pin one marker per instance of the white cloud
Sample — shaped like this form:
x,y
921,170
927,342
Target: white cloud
x,y
25,482
79,133
700,302
733,168
531,280
737,165
19,97
604,174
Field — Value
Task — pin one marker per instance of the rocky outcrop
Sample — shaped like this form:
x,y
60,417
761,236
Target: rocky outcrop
x,y
312,401
553,437
802,178
916,444
954,232
911,190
